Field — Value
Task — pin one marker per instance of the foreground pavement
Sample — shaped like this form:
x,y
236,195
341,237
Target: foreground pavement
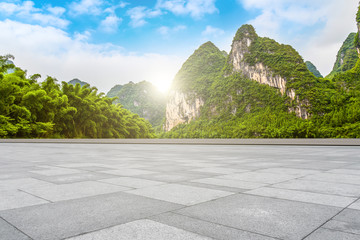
x,y
162,192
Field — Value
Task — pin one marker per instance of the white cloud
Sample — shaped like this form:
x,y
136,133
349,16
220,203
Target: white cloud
x,y
293,22
196,8
139,14
28,12
212,31
165,31
110,24
57,11
50,51
86,7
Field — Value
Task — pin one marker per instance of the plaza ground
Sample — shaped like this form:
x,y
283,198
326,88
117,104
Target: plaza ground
x,y
161,191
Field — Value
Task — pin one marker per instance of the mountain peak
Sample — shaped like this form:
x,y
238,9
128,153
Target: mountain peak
x,y
245,31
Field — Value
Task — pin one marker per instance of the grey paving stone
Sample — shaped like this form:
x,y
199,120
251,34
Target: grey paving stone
x,y
230,183
128,172
261,177
272,217
219,170
206,228
215,187
173,176
343,226
9,232
291,171
70,218
345,171
337,178
324,199
141,230
341,189
349,219
74,190
10,199
355,205
132,182
181,194
54,171
328,234
73,178
23,183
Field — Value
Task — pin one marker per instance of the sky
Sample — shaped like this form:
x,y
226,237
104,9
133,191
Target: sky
x,y
109,42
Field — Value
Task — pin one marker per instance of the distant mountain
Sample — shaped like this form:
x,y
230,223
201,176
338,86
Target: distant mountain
x,y
141,98
263,89
75,81
313,69
346,57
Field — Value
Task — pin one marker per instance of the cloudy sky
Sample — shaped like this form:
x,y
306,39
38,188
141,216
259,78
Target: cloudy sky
x,y
108,42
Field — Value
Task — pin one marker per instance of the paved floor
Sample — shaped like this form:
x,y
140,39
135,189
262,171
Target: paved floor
x,y
163,192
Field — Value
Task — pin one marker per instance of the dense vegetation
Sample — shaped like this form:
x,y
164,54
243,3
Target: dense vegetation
x,y
242,108
48,110
346,57
141,98
311,67
199,71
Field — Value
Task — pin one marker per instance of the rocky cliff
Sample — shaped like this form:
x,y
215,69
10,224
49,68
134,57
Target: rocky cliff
x,y
259,72
190,87
264,60
181,108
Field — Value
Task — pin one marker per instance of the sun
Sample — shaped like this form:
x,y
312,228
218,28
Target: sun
x,y
162,84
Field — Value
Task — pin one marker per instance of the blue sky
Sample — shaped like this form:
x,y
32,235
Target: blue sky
x,y
108,42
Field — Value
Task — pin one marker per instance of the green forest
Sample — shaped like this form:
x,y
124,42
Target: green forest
x,y
29,109
236,107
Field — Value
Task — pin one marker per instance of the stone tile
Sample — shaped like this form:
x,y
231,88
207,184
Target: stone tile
x,y
173,177
181,194
128,172
9,232
141,230
355,205
290,171
73,178
22,183
260,177
54,171
132,182
328,234
230,183
337,178
206,228
349,227
341,189
70,218
80,165
324,199
347,221
271,217
345,171
10,199
219,170
74,190
215,187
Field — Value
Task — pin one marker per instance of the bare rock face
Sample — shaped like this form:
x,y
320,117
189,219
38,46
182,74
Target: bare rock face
x,y
181,108
261,73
